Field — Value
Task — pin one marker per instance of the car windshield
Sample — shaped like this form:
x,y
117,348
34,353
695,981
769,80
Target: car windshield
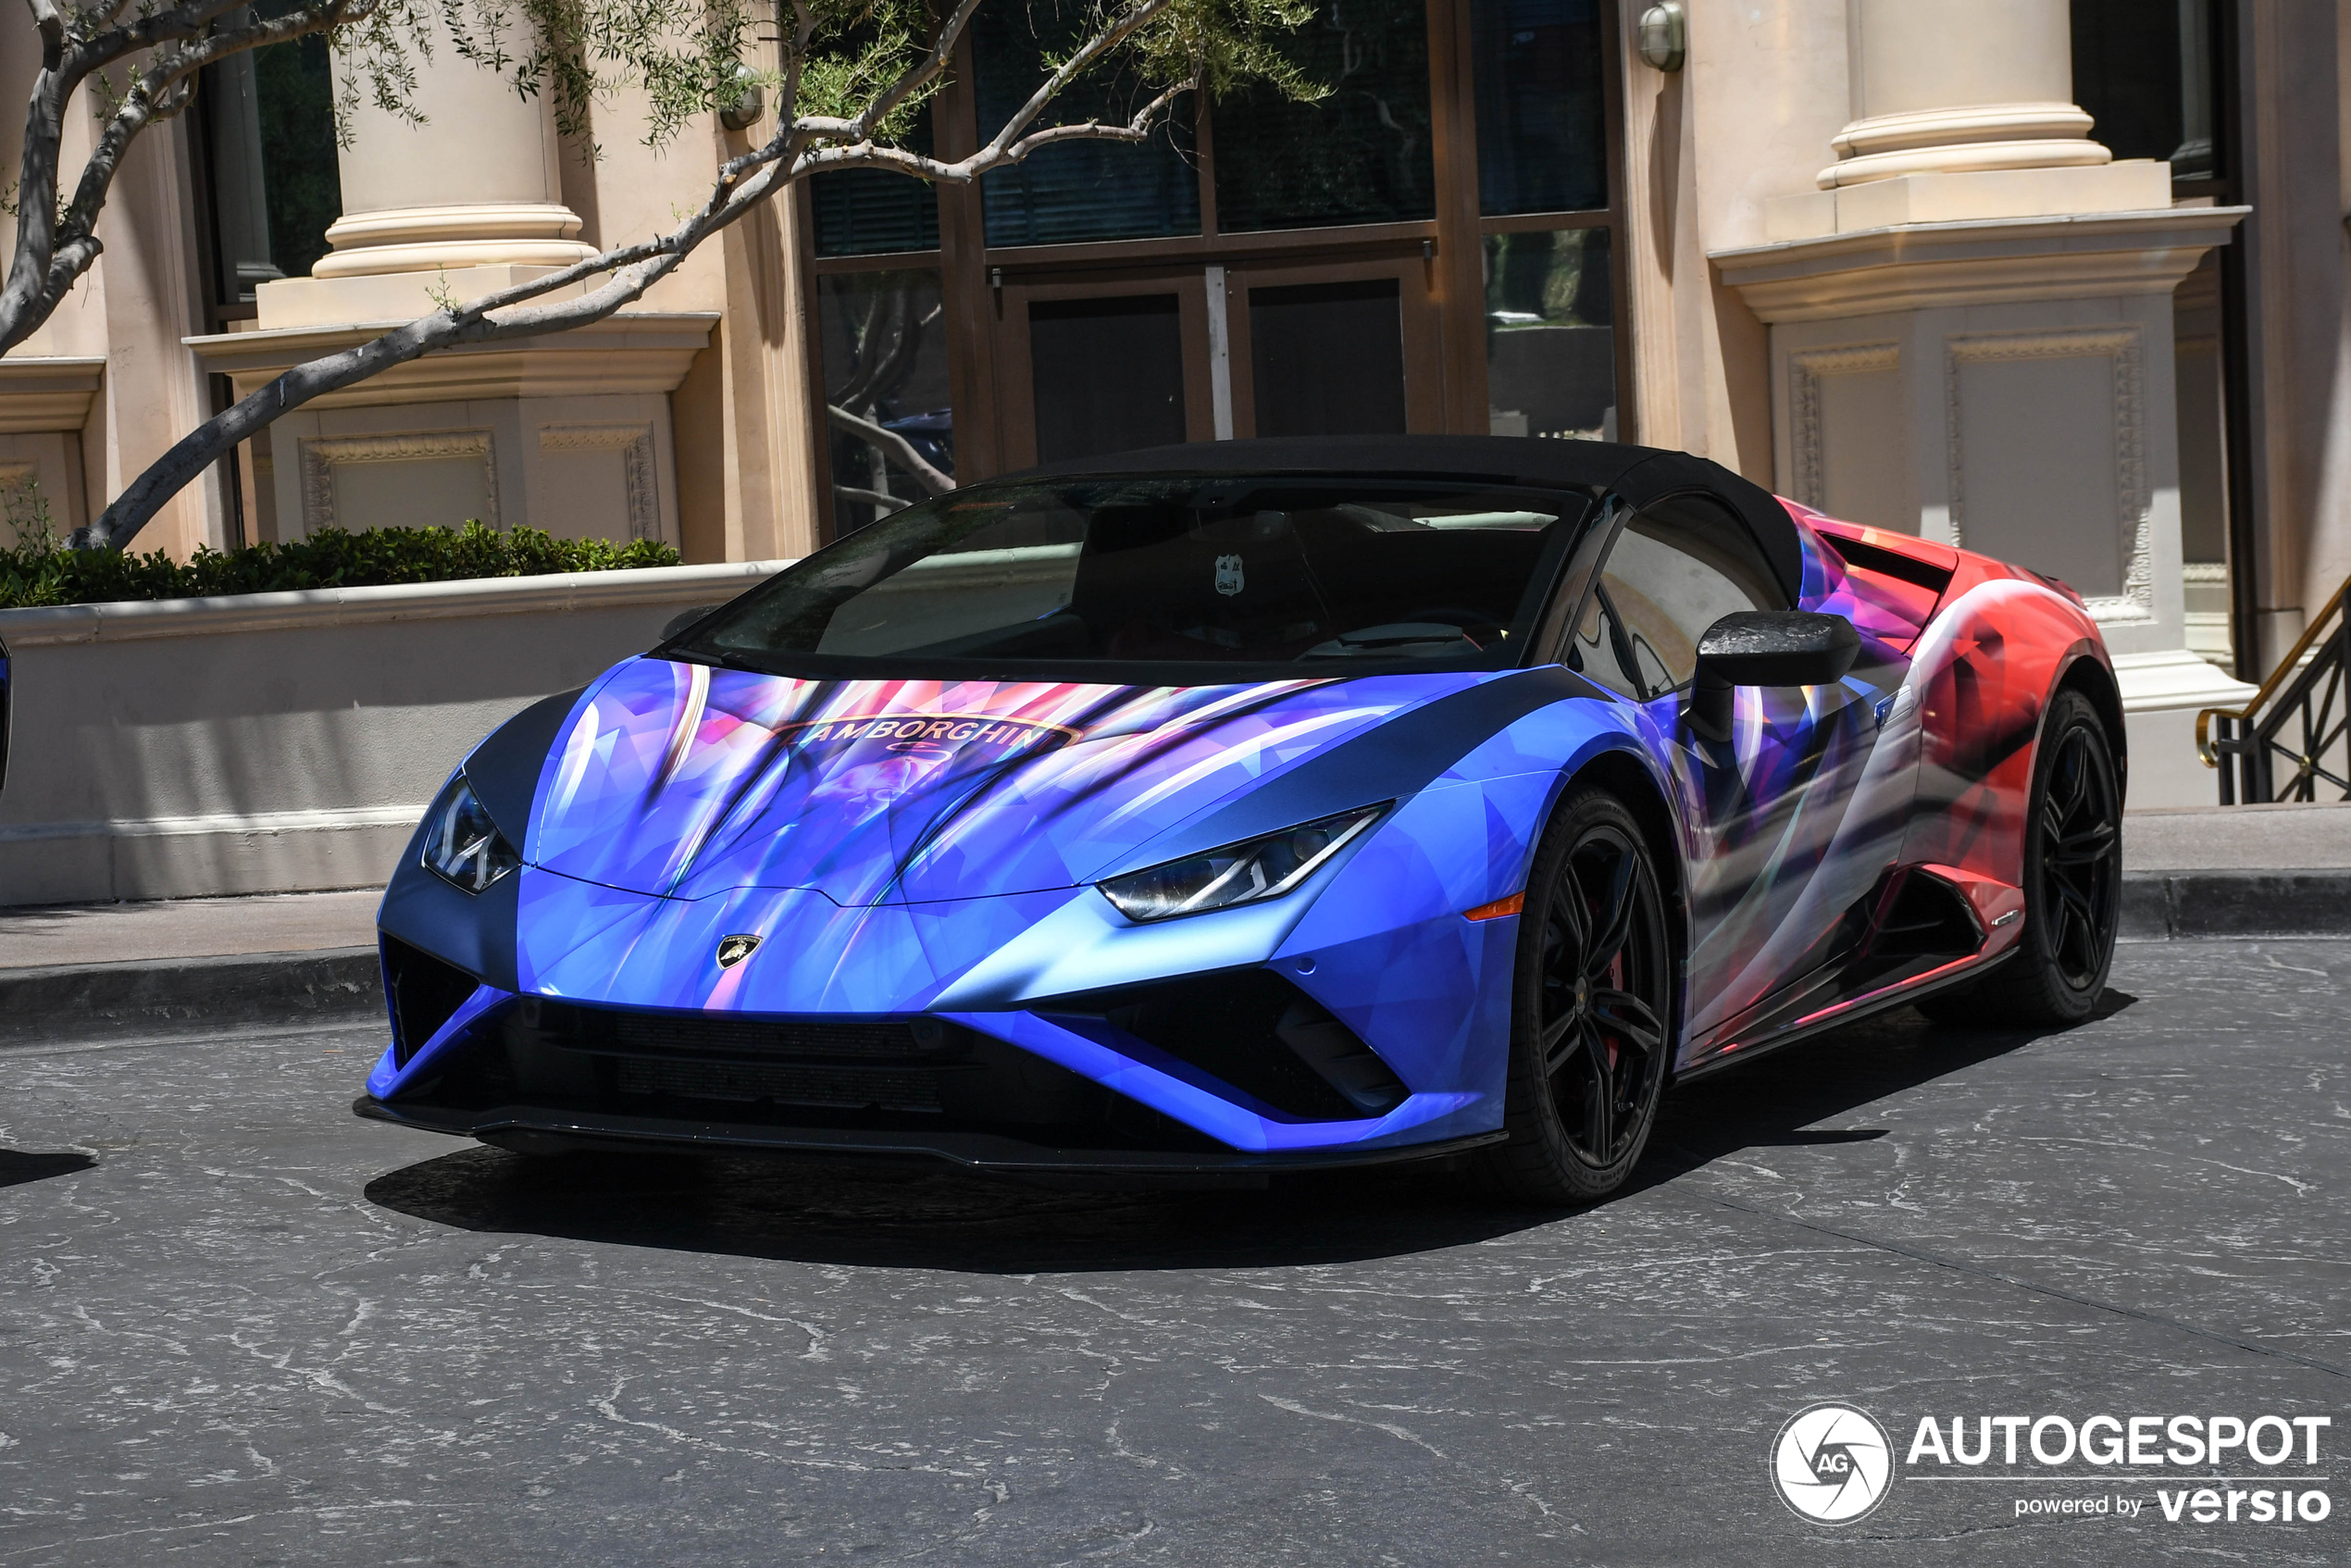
x,y
1192,575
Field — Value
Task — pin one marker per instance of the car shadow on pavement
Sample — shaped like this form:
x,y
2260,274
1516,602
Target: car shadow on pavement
x,y
1776,1101
938,1217
20,1165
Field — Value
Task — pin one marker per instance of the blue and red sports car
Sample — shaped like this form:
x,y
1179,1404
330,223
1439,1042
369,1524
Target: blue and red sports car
x,y
1227,809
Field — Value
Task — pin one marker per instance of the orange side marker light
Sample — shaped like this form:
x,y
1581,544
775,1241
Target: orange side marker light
x,y
1496,910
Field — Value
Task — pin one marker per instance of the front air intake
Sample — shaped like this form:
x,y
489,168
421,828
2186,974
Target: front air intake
x,y
424,993
1251,1029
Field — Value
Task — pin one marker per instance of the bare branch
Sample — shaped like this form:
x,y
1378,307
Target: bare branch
x,y
966,171
901,451
50,23
942,47
881,498
91,18
1094,49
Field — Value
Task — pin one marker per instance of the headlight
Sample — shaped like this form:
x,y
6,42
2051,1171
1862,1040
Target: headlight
x,y
1242,873
463,847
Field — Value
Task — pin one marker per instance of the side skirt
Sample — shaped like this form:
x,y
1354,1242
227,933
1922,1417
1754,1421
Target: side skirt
x,y
1852,1012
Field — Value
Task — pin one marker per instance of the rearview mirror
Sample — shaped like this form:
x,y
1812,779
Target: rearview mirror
x,y
683,619
1766,648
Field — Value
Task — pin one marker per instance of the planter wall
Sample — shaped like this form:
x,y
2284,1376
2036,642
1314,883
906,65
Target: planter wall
x,y
276,742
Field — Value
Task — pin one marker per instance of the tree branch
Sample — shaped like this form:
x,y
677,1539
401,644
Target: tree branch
x,y
1094,49
932,63
883,499
742,185
897,447
54,250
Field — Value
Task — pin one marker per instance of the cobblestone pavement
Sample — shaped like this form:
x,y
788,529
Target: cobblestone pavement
x,y
238,1326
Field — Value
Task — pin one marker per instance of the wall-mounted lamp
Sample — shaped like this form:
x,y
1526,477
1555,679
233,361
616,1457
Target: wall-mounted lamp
x,y
742,111
1664,33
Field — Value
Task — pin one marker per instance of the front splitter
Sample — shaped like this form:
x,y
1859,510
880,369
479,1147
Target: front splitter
x,y
521,1124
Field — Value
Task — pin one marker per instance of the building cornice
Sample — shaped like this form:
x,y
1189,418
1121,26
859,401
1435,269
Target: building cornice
x,y
44,392
1979,261
634,352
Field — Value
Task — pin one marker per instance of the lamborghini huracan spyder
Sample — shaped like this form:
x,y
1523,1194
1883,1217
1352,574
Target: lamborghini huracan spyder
x,y
1252,805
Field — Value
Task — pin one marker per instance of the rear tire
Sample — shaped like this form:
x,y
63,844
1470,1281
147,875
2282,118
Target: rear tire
x,y
2073,884
1592,1011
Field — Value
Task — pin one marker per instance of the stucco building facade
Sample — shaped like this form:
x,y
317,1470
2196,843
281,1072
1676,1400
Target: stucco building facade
x,y
2062,281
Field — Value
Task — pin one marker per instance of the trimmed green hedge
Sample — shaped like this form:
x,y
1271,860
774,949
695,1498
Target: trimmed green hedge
x,y
39,573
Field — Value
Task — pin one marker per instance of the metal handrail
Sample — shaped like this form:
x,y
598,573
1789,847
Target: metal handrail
x,y
2292,683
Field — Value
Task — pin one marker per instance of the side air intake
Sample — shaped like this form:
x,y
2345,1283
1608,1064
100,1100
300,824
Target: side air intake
x,y
424,993
1251,1029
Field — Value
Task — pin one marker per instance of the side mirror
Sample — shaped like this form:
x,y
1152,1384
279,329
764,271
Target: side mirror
x,y
1766,648
683,619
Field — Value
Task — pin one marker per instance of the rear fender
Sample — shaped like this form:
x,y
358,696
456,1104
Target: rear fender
x,y
1982,675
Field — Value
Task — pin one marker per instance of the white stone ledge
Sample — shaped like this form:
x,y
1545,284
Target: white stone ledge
x,y
127,620
1973,261
229,823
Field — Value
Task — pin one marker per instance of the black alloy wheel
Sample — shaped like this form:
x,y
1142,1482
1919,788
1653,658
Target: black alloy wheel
x,y
1592,1016
2081,823
2072,883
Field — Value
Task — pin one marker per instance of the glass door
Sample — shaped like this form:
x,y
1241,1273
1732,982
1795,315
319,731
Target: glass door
x,y
1333,348
1102,364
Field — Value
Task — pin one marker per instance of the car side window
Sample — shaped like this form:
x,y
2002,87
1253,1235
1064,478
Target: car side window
x,y
1598,649
1677,567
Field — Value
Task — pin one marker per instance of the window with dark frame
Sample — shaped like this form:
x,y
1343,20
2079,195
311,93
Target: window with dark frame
x,y
267,127
1537,101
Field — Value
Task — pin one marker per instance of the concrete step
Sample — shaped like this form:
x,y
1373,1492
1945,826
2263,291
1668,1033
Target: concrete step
x,y
2285,837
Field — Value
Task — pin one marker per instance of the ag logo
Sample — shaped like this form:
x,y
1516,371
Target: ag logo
x,y
734,950
1228,575
1832,1463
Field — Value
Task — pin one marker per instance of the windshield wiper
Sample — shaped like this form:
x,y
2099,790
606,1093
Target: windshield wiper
x,y
715,660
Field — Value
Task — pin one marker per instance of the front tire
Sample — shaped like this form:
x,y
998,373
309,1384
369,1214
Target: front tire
x,y
1592,1009
2073,884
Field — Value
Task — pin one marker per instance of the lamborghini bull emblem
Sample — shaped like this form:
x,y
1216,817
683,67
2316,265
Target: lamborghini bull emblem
x,y
734,950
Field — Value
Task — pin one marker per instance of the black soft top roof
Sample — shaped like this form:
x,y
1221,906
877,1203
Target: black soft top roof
x,y
1640,474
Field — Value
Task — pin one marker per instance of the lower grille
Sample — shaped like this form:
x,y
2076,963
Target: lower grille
x,y
851,1089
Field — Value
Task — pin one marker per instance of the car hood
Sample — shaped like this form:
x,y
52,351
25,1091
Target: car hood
x,y
679,779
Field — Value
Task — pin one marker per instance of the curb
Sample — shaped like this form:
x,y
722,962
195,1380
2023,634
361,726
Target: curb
x,y
2174,905
343,984
337,985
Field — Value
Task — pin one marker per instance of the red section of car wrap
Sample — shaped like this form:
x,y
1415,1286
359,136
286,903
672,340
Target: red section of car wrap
x,y
1999,906
1992,647
1983,674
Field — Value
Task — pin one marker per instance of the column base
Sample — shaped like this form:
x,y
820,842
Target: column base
x,y
2162,694
2133,185
385,296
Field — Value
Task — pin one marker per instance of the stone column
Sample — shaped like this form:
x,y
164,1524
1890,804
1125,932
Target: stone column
x,y
469,201
1946,85
1981,90
1971,336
